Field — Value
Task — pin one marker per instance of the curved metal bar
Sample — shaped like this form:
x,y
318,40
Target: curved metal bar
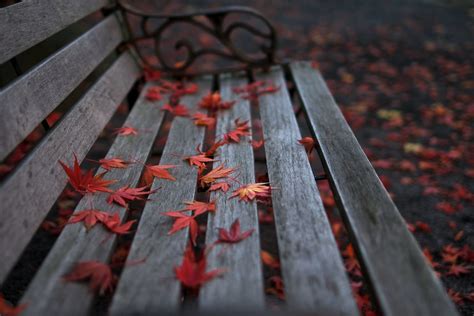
x,y
216,28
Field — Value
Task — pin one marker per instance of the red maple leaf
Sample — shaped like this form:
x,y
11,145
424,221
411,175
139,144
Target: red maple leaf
x,y
86,182
213,148
253,90
222,186
112,163
276,287
200,207
177,110
269,260
217,173
7,309
256,144
126,194
251,191
458,269
126,131
234,235
199,160
201,119
214,102
181,222
308,144
160,171
241,129
192,272
114,224
151,74
100,276
89,217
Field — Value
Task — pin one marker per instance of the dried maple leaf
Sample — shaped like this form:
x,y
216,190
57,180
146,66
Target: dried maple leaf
x,y
126,131
7,309
86,182
100,276
214,102
182,221
201,119
308,144
218,173
126,194
241,129
200,207
233,235
160,171
251,191
192,272
222,186
177,110
89,217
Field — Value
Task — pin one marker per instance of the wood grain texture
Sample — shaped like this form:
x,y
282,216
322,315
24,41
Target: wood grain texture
x,y
48,294
152,287
27,23
312,269
29,193
28,100
241,287
403,282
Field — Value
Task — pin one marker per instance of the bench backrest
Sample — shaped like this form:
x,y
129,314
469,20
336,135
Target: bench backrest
x,y
32,188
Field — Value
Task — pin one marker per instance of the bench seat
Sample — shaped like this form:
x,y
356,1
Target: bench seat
x,y
401,280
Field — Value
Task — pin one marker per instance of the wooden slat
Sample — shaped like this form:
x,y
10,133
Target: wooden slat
x,y
48,294
28,100
241,287
29,193
403,282
312,270
29,22
151,287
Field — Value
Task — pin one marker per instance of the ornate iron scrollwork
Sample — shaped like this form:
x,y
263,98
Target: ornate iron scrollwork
x,y
213,22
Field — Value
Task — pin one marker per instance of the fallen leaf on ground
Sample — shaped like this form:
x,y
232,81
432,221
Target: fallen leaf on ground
x,y
192,271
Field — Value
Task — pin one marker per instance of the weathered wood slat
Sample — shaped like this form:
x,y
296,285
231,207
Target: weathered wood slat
x,y
28,100
241,287
403,282
29,22
151,287
48,294
29,193
312,270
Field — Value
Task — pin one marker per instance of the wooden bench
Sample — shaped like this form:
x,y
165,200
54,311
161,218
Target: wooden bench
x,y
312,269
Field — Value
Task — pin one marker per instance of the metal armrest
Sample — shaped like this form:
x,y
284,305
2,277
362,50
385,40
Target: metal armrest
x,y
214,22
